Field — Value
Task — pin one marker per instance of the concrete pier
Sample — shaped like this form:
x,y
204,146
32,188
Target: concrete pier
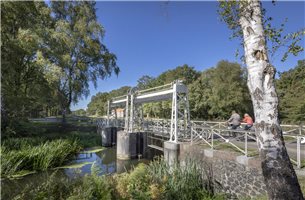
x,y
126,145
108,135
114,132
171,152
130,145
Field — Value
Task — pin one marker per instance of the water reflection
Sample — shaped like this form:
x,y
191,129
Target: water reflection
x,y
105,160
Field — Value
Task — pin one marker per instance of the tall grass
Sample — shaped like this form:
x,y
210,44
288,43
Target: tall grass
x,y
145,182
182,182
39,146
25,156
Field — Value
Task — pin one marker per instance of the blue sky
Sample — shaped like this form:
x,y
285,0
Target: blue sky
x,y
149,38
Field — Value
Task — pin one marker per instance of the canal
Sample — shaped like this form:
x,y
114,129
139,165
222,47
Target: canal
x,y
104,159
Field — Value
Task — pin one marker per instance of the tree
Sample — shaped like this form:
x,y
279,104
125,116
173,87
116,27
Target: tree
x,y
220,90
247,18
76,49
98,104
185,73
79,112
291,87
145,82
24,87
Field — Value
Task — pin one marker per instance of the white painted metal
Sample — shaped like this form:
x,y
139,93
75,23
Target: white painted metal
x,y
176,91
131,117
108,113
126,114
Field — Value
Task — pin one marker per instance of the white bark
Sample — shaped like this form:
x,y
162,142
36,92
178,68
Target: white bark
x,y
278,172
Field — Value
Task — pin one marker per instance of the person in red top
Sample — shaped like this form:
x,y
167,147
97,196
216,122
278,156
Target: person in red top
x,y
248,120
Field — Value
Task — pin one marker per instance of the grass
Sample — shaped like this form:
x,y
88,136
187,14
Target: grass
x,y
302,184
144,182
36,158
190,181
40,146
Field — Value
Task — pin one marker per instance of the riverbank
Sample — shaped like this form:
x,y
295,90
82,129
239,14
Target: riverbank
x,y
38,146
146,181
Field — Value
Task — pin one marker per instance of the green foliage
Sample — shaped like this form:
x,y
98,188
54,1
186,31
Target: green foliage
x,y
49,53
79,112
25,91
230,13
134,185
182,182
77,50
40,146
145,82
99,102
155,181
220,90
163,109
35,158
92,187
290,88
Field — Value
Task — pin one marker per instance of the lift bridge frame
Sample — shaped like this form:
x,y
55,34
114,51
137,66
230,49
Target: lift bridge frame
x,y
134,99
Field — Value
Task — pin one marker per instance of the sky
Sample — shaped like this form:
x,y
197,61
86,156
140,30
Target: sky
x,y
149,38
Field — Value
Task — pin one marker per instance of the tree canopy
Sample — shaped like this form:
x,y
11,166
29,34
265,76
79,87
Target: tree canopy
x,y
220,90
291,91
50,53
215,92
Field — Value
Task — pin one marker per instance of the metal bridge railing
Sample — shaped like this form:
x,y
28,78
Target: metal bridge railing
x,y
217,134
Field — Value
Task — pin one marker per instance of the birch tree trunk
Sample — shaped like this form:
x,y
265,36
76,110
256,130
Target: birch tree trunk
x,y
278,172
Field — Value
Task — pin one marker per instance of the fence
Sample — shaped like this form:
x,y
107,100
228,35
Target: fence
x,y
217,134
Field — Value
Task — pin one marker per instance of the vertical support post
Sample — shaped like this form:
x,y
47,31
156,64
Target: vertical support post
x,y
108,113
115,118
141,118
298,152
191,124
246,145
212,139
131,118
174,117
187,115
127,114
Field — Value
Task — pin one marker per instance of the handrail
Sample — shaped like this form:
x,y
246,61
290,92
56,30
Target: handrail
x,y
215,134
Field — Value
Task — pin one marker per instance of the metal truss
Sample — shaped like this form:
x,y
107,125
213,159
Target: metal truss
x,y
180,116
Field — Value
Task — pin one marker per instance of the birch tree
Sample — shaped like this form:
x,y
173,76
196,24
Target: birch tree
x,y
246,18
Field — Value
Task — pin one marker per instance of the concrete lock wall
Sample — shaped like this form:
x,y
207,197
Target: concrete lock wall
x,y
238,176
108,135
130,145
171,152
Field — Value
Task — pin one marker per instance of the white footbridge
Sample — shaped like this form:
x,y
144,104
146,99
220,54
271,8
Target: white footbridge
x,y
179,128
177,92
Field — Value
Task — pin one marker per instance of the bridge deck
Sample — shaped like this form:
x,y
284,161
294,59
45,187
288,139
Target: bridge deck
x,y
156,147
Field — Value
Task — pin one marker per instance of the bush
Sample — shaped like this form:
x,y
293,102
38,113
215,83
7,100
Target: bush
x,y
158,181
57,186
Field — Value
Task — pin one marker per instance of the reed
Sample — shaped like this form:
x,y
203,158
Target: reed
x,y
182,182
45,155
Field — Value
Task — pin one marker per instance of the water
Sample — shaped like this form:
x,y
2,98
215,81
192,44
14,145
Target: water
x,y
105,160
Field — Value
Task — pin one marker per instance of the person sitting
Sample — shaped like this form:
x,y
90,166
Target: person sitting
x,y
234,120
248,120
